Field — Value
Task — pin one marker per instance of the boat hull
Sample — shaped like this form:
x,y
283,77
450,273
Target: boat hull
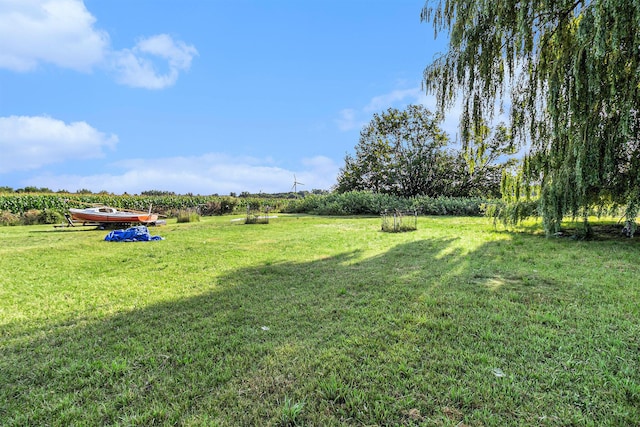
x,y
111,215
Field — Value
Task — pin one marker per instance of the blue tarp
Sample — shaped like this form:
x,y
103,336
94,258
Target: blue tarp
x,y
133,234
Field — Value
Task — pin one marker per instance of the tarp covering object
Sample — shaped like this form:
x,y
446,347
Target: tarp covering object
x,y
133,234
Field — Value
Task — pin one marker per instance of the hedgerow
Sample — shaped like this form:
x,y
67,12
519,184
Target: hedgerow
x,y
350,203
368,203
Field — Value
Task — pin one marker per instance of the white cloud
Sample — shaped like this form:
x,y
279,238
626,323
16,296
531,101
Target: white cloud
x,y
178,54
348,120
206,174
63,33
59,32
351,118
136,67
404,96
28,143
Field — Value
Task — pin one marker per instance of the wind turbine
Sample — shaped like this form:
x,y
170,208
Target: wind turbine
x,y
295,184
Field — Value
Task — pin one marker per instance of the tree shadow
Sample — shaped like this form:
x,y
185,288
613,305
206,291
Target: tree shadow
x,y
409,336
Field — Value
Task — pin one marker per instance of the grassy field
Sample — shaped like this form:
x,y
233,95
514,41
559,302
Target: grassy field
x,y
318,321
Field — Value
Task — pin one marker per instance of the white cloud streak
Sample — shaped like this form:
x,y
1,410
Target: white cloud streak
x,y
211,173
63,33
349,120
28,143
383,102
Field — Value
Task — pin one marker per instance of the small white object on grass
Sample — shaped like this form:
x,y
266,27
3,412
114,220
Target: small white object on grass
x,y
498,372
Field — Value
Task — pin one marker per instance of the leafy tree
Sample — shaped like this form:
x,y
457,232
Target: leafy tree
x,y
405,153
398,153
33,189
571,69
487,155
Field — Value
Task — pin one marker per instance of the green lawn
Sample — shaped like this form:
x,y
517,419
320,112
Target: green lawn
x,y
318,321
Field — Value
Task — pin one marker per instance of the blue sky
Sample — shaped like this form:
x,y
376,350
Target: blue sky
x,y
200,96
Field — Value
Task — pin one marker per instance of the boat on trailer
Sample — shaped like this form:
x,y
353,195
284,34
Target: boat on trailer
x,y
108,214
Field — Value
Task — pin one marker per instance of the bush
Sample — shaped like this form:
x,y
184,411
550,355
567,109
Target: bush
x,y
31,217
8,218
368,203
457,206
50,217
224,205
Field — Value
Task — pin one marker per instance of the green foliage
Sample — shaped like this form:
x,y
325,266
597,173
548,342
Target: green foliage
x,y
49,216
487,154
331,388
157,193
18,203
403,153
34,190
211,205
219,206
30,217
349,203
187,215
509,214
290,412
457,206
573,67
35,216
8,218
398,153
368,203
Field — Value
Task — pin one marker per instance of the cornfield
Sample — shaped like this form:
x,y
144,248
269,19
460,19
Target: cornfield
x,y
20,202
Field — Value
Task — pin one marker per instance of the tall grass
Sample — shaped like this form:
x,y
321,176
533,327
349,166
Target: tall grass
x,y
187,215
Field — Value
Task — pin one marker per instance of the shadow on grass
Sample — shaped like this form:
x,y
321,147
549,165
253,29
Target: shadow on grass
x,y
601,230
423,333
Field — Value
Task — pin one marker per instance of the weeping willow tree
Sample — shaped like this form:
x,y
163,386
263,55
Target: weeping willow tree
x,y
568,72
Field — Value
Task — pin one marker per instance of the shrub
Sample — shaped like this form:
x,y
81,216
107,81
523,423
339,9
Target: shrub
x,y
457,206
8,218
30,217
224,205
368,203
48,216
